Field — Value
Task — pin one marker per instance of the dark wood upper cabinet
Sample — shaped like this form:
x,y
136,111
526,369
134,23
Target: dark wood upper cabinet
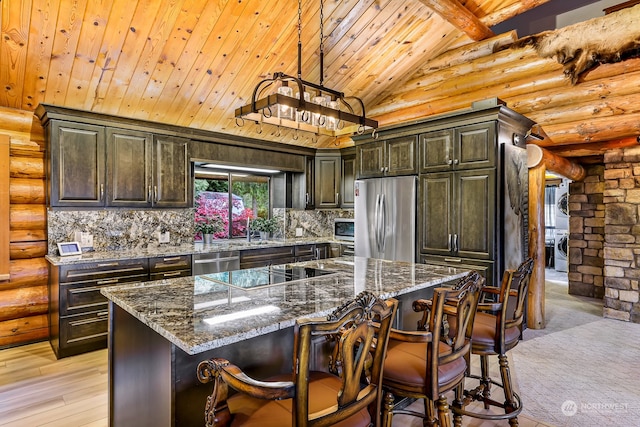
x,y
76,164
99,165
347,181
129,168
391,157
327,182
466,147
171,172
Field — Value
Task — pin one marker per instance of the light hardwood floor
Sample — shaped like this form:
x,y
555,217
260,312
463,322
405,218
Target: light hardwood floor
x,y
38,390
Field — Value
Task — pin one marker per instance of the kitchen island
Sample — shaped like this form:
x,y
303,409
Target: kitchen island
x,y
159,331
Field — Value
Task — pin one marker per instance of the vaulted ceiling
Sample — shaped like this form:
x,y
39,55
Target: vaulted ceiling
x,y
193,62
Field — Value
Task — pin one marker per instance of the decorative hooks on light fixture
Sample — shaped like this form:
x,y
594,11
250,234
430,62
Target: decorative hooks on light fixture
x,y
302,105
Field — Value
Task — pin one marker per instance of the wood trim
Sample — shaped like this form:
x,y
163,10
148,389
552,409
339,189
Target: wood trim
x,y
5,143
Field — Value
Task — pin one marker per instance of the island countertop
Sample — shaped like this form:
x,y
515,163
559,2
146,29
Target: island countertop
x,y
190,312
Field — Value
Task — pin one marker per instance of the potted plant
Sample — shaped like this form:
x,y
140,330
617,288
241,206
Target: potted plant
x,y
265,226
208,226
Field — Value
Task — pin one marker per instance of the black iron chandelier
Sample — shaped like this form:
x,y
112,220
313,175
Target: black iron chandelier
x,y
291,102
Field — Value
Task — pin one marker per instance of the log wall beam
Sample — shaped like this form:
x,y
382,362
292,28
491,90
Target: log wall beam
x,y
537,155
460,17
535,297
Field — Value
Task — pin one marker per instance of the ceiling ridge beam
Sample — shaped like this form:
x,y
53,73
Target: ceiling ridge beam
x,y
461,18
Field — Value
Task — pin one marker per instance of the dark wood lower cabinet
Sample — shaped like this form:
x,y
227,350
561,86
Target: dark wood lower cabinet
x,y
77,310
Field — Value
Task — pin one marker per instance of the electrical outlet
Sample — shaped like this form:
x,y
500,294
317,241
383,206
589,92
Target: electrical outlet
x,y
84,239
299,232
164,237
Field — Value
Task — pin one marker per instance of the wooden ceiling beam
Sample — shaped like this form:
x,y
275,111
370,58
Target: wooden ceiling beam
x,y
587,149
461,18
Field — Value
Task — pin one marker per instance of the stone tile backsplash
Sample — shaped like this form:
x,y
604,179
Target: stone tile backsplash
x,y
314,223
121,229
114,230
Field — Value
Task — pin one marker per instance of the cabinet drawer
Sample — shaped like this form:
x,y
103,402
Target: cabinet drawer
x,y
85,296
178,262
305,250
100,270
267,256
170,274
84,329
485,268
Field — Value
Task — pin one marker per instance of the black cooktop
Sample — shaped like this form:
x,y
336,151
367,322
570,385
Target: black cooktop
x,y
258,277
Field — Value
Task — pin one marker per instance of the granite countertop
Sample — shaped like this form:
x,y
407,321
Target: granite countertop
x,y
183,309
189,249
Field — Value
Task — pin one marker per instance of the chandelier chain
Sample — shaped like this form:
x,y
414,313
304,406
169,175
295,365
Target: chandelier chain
x,y
321,42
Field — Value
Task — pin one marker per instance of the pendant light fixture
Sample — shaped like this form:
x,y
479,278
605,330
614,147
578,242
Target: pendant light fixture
x,y
288,101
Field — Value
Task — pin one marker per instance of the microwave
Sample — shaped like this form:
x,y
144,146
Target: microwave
x,y
343,229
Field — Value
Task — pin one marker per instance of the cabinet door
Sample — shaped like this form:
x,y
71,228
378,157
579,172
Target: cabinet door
x,y
475,146
310,183
77,161
371,159
347,181
171,173
436,203
401,156
327,194
436,151
128,168
474,195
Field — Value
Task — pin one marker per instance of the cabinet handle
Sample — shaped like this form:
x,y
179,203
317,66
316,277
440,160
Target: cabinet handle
x,y
455,242
382,169
172,274
306,198
337,197
108,264
456,161
108,281
149,193
171,259
449,161
453,260
102,313
101,191
155,193
449,242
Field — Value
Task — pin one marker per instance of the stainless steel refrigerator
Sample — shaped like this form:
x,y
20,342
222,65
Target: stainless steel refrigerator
x,y
385,218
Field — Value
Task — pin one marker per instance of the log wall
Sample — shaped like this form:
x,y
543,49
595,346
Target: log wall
x,y
24,297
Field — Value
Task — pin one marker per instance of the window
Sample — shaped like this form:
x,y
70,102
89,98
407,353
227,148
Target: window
x,y
248,199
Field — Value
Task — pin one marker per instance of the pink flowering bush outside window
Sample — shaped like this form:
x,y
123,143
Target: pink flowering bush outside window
x,y
212,217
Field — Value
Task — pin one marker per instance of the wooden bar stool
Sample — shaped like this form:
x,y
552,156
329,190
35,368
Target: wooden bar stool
x,y
496,330
427,363
305,397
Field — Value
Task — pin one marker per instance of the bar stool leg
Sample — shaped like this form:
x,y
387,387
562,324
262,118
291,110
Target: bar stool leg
x,y
510,403
485,382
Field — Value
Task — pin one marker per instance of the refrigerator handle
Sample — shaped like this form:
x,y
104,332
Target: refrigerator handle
x,y
376,227
383,222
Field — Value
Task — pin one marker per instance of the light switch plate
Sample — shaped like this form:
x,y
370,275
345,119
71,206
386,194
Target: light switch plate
x,y
164,237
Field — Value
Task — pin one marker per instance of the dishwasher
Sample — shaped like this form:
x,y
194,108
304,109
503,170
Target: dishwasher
x,y
215,262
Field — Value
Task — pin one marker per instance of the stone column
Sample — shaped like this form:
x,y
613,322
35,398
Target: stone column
x,y
622,234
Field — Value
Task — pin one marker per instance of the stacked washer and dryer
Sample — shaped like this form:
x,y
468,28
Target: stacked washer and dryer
x,y
561,247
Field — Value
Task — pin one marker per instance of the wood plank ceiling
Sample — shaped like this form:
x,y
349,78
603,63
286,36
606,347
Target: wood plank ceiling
x,y
192,62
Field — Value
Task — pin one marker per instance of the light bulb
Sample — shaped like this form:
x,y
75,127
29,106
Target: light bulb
x,y
284,111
